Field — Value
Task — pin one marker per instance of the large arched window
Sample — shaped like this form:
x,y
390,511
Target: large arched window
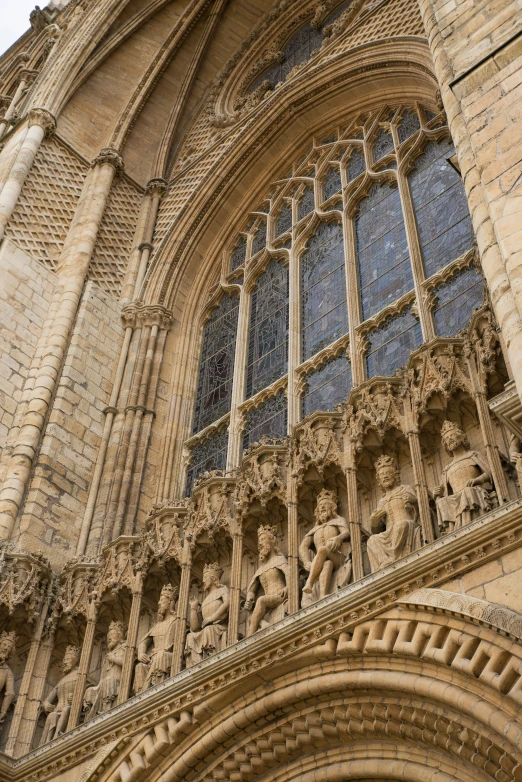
x,y
371,252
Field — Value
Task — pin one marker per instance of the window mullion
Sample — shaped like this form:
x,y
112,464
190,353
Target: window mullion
x,y
294,339
352,297
425,316
239,381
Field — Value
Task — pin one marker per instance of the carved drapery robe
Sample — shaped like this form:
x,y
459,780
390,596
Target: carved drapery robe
x,y
162,634
402,535
278,562
209,639
455,509
102,696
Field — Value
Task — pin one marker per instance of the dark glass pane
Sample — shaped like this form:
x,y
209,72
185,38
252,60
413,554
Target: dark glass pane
x,y
306,203
267,420
238,254
382,250
383,145
441,209
284,219
268,334
456,300
328,386
296,51
408,125
323,290
391,344
216,365
356,164
332,183
259,241
206,456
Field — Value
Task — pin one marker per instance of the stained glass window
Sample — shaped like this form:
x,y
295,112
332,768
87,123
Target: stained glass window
x,y
206,456
267,420
441,209
323,290
328,385
268,335
356,164
259,241
456,300
332,183
382,250
284,219
383,144
238,253
408,125
390,345
214,392
306,203
296,51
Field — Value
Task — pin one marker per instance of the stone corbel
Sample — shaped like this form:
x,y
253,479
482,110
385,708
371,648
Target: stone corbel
x,y
139,315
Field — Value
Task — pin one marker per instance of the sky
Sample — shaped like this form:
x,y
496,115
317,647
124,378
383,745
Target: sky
x,y
15,20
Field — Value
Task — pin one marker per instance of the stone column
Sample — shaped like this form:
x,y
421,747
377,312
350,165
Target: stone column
x,y
489,162
293,541
235,584
25,79
239,382
421,484
40,123
184,589
83,667
72,270
353,508
132,639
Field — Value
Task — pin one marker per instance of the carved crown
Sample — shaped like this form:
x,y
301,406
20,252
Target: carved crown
x,y
169,591
121,626
213,567
11,638
266,530
385,461
327,494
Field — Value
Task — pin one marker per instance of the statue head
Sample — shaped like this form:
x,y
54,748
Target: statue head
x,y
212,572
387,472
7,645
453,436
266,541
116,634
167,598
70,658
326,507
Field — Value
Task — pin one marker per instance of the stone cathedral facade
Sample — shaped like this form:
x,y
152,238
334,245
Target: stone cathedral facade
x,y
260,383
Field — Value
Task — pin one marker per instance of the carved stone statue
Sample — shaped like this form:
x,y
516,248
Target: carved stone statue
x,y
325,550
58,704
466,487
398,511
515,455
155,667
100,698
271,576
7,647
208,633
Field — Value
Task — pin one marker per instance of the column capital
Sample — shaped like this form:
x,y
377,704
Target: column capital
x,y
137,315
109,156
44,119
28,75
156,187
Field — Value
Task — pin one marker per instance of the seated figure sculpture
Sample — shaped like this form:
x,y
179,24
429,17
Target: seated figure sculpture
x,y
100,698
271,576
325,550
58,704
155,667
398,511
208,634
7,648
466,487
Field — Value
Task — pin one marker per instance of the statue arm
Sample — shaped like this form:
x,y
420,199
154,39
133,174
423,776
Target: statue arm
x,y
8,694
48,704
305,554
220,613
251,593
117,656
194,619
143,646
482,464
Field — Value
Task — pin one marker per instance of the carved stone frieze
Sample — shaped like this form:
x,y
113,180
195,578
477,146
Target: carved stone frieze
x,y
161,538
317,443
25,580
117,567
436,369
213,508
75,588
262,476
376,406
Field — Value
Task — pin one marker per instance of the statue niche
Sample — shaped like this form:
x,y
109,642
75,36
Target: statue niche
x,y
466,490
155,667
272,576
208,632
397,510
325,551
100,698
7,648
58,704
